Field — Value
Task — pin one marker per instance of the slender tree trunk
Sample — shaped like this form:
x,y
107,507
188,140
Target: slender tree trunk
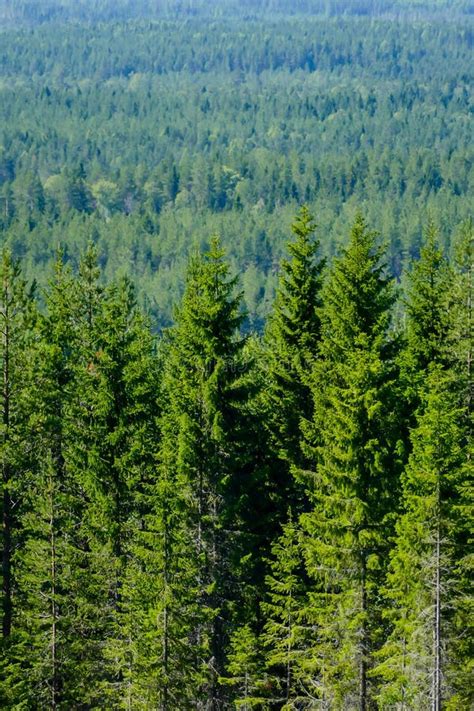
x,y
216,576
288,660
363,642
6,558
436,692
54,669
470,338
6,474
165,618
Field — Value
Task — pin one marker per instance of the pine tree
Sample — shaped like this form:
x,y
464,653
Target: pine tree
x,y
356,472
291,344
423,588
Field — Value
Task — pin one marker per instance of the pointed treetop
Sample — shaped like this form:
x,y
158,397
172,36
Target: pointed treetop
x,y
430,283
359,293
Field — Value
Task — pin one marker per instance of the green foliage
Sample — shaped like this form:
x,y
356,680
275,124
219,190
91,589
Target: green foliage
x,y
292,339
427,309
355,471
286,636
423,592
202,479
147,561
151,135
17,330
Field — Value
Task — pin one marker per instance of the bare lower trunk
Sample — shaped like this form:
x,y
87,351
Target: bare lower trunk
x,y
165,622
363,644
7,504
436,693
6,558
54,670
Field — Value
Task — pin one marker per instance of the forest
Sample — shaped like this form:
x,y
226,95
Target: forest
x,y
236,352
222,520
150,135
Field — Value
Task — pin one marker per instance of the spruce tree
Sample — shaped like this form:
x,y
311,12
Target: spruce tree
x,y
245,670
461,344
461,333
17,317
114,461
428,318
41,653
355,472
424,590
291,345
201,482
17,332
286,635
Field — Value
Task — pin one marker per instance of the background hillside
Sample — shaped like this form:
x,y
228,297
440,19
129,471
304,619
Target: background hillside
x,y
149,126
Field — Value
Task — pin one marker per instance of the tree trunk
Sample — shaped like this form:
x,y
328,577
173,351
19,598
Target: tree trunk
x,y
470,337
165,619
436,693
363,642
54,670
7,504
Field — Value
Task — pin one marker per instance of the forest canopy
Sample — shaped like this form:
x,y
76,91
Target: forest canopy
x,y
147,134
236,348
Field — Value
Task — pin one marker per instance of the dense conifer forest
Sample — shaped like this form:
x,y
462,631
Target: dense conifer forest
x,y
236,343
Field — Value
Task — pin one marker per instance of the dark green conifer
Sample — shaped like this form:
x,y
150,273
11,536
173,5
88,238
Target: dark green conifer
x,y
202,481
355,472
424,593
41,660
17,333
291,345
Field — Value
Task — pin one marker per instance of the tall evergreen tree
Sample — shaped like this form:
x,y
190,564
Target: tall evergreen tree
x,y
423,584
291,344
461,344
201,483
356,471
41,655
17,316
114,462
17,333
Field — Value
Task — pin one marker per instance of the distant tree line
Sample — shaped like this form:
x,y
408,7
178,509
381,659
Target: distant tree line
x,y
147,136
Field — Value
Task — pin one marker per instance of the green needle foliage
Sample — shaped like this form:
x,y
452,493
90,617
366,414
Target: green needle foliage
x,y
212,519
291,341
424,591
202,479
428,316
356,471
286,637
17,332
